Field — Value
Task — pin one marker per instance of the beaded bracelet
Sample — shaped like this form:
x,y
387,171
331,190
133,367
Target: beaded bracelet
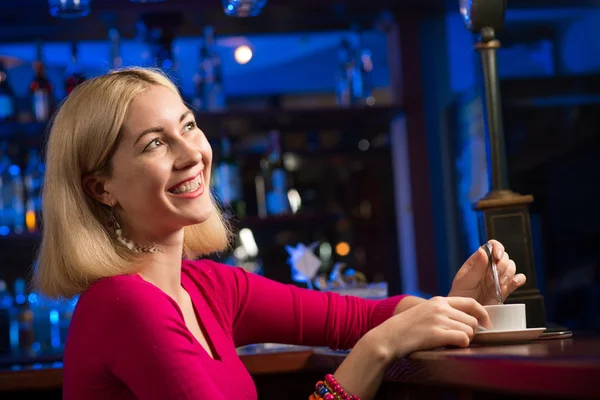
x,y
330,390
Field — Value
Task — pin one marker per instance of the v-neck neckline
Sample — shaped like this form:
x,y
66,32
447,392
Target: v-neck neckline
x,y
201,318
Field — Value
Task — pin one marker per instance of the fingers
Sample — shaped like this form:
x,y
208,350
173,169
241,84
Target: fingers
x,y
497,249
507,275
509,279
456,338
506,270
516,282
510,268
451,324
480,256
503,264
463,321
471,307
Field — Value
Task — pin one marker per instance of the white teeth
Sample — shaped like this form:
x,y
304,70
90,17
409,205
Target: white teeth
x,y
189,186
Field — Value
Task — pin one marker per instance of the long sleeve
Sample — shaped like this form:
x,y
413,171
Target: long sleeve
x,y
263,311
128,339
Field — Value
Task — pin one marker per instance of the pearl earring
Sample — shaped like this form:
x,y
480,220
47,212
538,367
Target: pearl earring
x,y
115,227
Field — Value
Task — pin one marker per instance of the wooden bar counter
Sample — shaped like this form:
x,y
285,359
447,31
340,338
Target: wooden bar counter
x,y
543,369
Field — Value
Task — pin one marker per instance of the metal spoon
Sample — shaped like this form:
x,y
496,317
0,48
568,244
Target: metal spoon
x,y
492,265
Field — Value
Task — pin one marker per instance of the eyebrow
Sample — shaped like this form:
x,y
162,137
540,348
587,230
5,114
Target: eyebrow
x,y
158,129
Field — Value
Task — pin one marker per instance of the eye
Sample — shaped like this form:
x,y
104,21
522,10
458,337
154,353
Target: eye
x,y
190,126
154,143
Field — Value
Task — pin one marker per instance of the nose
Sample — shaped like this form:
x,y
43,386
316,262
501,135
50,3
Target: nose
x,y
187,155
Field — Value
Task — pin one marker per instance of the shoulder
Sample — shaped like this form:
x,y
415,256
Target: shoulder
x,y
121,300
120,289
118,311
111,317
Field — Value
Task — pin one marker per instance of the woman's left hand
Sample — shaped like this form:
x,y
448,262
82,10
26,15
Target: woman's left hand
x,y
474,278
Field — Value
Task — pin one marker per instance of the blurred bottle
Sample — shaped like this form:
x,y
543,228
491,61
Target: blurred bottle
x,y
50,322
7,97
198,96
275,177
6,300
12,209
6,308
51,319
261,195
24,320
345,74
161,45
115,50
39,307
230,183
209,94
74,76
40,90
362,89
34,178
354,71
5,211
245,253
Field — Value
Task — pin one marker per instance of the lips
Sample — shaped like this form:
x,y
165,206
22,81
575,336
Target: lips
x,y
187,186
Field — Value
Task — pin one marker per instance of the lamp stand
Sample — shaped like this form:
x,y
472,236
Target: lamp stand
x,y
504,214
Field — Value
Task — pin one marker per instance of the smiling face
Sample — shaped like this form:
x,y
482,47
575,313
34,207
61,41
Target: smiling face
x,y
161,167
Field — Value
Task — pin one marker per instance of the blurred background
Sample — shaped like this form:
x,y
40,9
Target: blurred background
x,y
354,127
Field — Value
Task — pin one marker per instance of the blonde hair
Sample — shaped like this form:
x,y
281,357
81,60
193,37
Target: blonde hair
x,y
77,248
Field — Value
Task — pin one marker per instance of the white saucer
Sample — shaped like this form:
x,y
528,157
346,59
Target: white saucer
x,y
492,337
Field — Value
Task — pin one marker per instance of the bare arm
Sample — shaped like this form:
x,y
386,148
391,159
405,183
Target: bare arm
x,y
408,302
363,369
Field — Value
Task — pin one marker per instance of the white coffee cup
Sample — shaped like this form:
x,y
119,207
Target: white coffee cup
x,y
506,317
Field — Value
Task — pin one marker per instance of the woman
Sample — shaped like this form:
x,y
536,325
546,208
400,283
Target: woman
x,y
126,196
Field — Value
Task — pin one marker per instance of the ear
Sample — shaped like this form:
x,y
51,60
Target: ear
x,y
95,186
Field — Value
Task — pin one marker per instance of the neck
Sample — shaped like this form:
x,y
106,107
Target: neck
x,y
163,269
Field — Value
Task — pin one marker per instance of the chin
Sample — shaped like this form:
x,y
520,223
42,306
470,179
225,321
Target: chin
x,y
199,215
